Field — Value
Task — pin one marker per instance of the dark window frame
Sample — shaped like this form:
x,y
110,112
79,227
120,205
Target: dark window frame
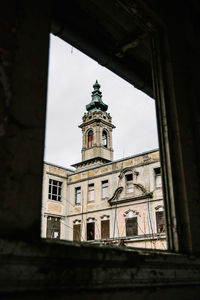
x,y
160,76
55,190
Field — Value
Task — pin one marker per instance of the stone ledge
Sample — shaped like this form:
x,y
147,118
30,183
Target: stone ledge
x,y
67,266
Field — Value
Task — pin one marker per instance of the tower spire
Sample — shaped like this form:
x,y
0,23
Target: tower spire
x,y
96,132
96,105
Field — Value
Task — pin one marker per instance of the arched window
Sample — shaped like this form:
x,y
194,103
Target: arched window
x,y
104,139
90,138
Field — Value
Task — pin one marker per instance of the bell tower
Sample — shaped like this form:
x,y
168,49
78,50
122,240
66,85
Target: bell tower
x,y
96,132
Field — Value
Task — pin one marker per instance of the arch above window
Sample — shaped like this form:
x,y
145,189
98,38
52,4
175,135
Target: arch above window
x,y
90,138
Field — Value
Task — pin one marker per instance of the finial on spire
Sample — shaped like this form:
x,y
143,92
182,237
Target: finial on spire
x,y
96,86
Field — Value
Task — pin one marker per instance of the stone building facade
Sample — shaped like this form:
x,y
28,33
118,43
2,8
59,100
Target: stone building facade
x,y
105,201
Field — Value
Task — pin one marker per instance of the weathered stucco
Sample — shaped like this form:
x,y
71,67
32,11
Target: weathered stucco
x,y
142,167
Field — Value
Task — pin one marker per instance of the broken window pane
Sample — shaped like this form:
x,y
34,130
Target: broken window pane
x,y
54,190
53,227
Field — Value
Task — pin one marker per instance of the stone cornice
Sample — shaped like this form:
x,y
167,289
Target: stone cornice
x,y
97,120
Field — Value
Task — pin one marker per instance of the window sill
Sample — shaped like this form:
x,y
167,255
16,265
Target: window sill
x,y
94,267
55,201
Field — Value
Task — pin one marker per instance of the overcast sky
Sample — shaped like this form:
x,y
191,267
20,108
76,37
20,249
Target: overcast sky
x,y
71,77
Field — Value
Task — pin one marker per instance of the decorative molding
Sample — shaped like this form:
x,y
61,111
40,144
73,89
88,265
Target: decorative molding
x,y
141,188
131,212
131,199
101,166
77,221
116,194
124,171
105,217
159,208
91,220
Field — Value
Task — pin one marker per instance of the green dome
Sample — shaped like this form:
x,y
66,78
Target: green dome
x,y
96,104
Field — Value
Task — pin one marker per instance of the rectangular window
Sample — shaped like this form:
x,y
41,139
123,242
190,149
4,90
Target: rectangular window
x,y
129,183
55,188
104,189
53,227
131,226
160,221
158,180
90,231
77,195
91,192
105,229
77,232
